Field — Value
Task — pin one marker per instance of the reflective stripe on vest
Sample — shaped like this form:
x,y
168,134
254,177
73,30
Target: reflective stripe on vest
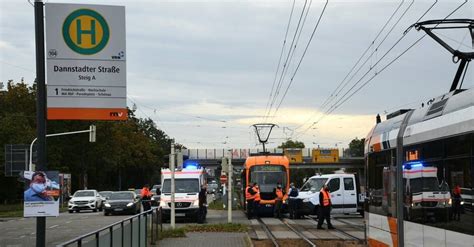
x,y
326,198
257,194
279,194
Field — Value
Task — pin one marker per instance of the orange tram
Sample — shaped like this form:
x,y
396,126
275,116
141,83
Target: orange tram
x,y
266,170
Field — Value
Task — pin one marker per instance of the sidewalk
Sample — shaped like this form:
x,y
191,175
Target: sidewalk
x,y
211,239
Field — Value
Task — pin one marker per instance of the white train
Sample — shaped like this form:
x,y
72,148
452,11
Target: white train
x,y
437,142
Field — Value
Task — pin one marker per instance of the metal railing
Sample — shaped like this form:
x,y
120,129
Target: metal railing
x,y
139,230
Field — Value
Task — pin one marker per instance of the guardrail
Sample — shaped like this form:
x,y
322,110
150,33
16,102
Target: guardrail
x,y
139,230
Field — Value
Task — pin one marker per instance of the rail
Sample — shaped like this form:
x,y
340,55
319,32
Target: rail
x,y
138,230
268,232
301,235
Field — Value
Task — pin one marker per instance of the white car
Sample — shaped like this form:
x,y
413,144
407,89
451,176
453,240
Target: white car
x,y
85,200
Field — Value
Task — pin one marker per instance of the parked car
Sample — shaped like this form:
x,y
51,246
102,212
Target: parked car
x,y
122,202
212,187
85,200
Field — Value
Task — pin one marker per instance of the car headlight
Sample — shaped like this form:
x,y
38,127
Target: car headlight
x,y
91,201
450,201
107,205
306,200
462,202
196,203
163,204
70,203
152,198
130,204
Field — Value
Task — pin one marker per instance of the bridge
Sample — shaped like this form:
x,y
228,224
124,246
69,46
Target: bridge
x,y
212,158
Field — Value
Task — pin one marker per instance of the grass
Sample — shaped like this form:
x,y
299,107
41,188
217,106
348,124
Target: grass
x,y
172,233
224,227
216,205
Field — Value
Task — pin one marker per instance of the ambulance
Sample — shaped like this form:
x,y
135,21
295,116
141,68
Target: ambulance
x,y
188,182
426,196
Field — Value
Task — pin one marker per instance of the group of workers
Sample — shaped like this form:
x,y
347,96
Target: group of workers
x,y
252,196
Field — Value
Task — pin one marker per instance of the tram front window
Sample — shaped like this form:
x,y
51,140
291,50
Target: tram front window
x,y
267,177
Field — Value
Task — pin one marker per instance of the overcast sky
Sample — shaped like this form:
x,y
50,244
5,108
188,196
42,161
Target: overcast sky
x,y
203,70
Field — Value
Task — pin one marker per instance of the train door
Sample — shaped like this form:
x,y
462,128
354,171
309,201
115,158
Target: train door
x,y
334,185
349,195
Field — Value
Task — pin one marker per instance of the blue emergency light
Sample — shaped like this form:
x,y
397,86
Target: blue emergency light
x,y
411,165
191,165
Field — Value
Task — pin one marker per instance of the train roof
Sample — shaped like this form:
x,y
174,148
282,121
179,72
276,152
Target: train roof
x,y
443,116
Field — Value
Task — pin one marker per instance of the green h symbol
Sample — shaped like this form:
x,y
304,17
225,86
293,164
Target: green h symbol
x,y
80,31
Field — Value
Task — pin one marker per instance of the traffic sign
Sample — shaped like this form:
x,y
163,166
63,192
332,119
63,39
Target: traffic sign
x,y
86,62
223,179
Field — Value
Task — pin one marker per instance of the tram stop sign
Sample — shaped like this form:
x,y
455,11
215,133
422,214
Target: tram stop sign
x,y
223,179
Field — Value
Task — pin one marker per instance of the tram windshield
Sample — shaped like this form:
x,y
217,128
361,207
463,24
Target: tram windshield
x,y
267,176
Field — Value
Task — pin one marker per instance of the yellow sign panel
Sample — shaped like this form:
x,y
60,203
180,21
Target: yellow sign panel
x,y
325,155
295,155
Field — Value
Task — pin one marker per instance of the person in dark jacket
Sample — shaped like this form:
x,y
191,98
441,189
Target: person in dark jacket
x,y
457,203
325,208
293,201
202,204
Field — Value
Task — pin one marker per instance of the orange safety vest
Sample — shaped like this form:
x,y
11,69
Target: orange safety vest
x,y
279,194
248,196
326,198
257,193
145,192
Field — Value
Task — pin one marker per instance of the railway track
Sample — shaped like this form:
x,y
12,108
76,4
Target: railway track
x,y
268,232
341,231
274,240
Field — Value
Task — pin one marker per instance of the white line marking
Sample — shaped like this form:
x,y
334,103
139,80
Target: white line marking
x,y
54,226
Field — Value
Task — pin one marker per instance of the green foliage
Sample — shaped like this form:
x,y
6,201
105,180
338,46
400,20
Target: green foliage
x,y
173,233
356,147
127,153
291,144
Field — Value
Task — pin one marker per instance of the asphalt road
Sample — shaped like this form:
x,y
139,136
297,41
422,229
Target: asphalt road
x,y
19,232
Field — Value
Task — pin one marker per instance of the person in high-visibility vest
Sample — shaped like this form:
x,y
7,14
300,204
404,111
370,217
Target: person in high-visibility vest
x,y
256,201
325,208
278,200
250,197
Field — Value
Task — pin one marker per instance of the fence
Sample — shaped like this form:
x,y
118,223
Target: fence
x,y
139,230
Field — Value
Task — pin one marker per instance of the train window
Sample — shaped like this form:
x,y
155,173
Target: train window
x,y
433,150
334,184
459,145
348,184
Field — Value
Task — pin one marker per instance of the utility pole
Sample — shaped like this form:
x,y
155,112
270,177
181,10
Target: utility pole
x,y
229,191
40,109
172,168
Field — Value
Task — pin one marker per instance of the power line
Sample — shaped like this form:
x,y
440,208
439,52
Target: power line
x,y
281,55
342,100
285,64
355,65
302,56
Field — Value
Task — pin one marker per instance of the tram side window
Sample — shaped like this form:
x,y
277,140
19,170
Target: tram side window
x,y
378,162
441,193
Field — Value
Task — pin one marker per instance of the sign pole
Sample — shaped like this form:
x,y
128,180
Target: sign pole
x,y
40,110
229,194
172,168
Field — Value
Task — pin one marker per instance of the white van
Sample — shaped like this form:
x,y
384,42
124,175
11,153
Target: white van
x,y
188,182
344,191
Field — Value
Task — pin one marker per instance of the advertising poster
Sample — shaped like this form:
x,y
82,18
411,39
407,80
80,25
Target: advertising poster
x,y
41,195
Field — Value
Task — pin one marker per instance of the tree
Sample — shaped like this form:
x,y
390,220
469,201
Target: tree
x,y
292,144
356,147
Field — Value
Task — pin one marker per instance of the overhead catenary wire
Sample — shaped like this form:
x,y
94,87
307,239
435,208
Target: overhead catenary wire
x,y
302,57
281,55
328,99
282,79
342,100
285,64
